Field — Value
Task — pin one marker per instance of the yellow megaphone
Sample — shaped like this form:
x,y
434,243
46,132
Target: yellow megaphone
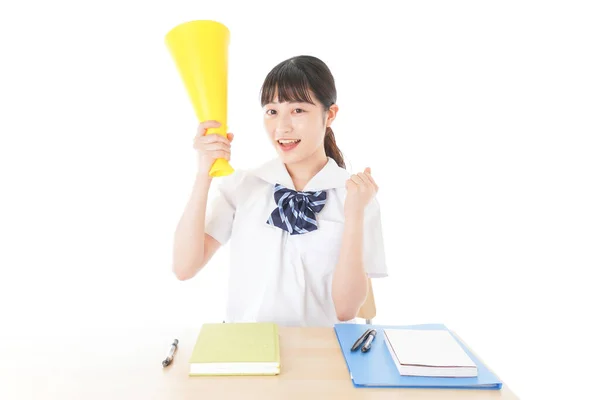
x,y
200,52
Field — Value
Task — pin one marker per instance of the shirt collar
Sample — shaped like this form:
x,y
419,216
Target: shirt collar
x,y
331,176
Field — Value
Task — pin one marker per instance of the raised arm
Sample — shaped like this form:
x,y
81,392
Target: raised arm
x,y
192,247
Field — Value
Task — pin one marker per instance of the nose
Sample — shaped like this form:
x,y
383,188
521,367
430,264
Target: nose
x,y
284,124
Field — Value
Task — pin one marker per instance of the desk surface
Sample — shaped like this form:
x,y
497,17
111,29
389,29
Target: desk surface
x,y
127,365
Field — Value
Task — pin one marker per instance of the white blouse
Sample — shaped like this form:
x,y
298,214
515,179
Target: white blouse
x,y
275,276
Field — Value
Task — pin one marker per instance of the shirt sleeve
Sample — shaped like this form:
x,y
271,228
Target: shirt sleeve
x,y
373,249
221,212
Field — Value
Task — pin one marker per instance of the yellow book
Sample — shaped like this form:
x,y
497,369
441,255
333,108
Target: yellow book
x,y
236,349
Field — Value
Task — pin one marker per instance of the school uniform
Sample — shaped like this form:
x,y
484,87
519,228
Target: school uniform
x,y
281,270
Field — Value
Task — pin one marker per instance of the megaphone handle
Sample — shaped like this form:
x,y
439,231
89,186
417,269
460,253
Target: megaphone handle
x,y
220,168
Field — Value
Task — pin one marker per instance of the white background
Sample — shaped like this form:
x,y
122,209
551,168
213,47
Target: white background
x,y
480,121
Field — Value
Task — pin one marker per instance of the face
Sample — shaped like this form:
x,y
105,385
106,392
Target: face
x,y
297,130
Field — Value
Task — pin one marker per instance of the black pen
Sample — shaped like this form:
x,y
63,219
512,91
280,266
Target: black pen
x,y
360,340
169,358
369,340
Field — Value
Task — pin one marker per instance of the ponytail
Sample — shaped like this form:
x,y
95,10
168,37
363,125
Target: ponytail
x,y
331,149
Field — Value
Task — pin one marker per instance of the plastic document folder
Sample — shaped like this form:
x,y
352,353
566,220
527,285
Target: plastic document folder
x,y
376,368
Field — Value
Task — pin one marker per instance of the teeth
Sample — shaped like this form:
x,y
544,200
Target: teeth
x,y
286,141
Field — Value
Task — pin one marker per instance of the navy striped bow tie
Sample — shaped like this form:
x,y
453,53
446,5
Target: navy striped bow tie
x,y
296,211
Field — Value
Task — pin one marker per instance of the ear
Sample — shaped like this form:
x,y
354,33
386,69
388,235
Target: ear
x,y
331,114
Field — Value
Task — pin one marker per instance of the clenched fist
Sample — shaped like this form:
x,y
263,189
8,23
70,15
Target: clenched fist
x,y
211,147
361,188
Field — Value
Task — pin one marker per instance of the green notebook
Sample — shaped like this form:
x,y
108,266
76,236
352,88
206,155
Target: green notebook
x,y
236,349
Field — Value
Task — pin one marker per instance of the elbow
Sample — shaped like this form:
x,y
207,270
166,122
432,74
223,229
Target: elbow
x,y
182,275
185,272
186,265
344,311
347,303
346,315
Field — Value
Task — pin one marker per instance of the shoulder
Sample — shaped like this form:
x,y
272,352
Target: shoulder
x,y
230,182
236,181
241,184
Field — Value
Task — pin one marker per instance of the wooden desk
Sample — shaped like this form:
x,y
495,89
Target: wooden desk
x,y
127,365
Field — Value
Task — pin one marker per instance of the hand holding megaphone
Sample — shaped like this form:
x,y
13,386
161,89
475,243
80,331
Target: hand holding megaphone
x,y
211,147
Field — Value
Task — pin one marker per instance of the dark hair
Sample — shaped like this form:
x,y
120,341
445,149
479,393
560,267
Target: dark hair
x,y
292,79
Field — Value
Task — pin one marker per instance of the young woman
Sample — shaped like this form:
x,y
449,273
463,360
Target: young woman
x,y
304,234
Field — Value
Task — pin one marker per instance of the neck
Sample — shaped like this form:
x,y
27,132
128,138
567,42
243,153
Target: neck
x,y
303,171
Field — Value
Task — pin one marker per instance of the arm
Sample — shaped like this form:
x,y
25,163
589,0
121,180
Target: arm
x,y
193,248
349,279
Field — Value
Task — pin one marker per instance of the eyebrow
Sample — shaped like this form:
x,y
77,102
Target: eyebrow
x,y
291,102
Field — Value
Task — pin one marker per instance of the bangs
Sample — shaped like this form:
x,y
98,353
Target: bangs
x,y
288,82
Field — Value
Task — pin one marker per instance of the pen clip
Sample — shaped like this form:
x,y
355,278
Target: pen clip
x,y
370,337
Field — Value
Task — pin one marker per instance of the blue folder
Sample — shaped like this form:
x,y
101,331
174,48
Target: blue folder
x,y
376,368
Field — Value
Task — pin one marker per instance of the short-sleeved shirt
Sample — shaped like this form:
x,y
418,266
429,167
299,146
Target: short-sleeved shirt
x,y
275,276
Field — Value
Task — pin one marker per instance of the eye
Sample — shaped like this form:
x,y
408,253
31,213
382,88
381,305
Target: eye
x,y
299,110
269,111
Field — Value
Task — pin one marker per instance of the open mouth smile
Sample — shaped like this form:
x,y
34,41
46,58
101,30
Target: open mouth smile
x,y
288,144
